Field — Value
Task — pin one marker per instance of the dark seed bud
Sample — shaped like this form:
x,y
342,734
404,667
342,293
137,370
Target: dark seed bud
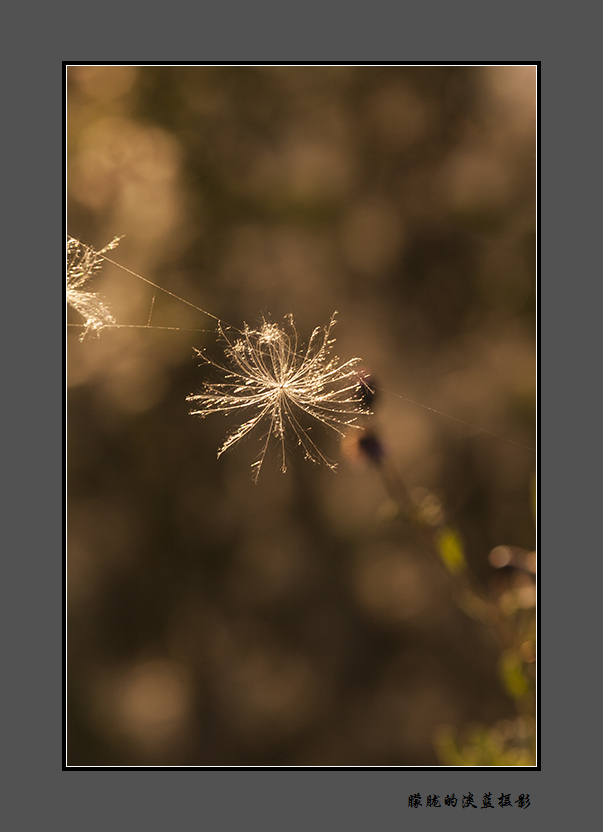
x,y
366,389
371,446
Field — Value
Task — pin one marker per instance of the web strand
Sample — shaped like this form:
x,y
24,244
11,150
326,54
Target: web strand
x,y
143,326
167,292
456,419
151,310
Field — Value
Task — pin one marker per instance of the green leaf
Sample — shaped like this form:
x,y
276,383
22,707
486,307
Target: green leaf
x,y
451,551
533,496
513,676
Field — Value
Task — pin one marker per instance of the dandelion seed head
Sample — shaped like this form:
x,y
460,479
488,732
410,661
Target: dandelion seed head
x,y
283,385
83,262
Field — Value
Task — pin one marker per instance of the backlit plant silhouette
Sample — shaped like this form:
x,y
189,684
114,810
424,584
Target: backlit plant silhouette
x,y
83,262
281,383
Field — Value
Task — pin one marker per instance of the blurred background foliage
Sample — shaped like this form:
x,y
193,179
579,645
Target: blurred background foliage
x,y
303,621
